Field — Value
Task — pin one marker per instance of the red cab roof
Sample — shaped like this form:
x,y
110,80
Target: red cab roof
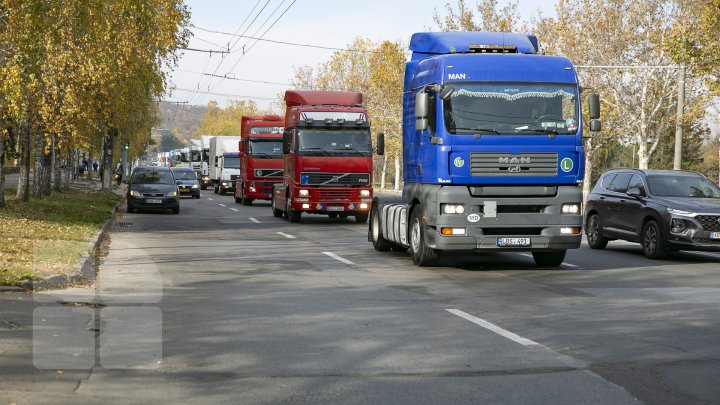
x,y
343,98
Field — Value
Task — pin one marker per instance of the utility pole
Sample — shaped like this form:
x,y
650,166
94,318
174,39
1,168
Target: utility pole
x,y
679,119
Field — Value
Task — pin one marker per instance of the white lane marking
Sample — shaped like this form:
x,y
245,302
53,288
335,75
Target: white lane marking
x,y
234,209
210,199
285,235
255,220
222,205
494,328
338,258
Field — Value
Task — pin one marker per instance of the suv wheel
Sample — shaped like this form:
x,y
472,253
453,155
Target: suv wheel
x,y
651,243
594,233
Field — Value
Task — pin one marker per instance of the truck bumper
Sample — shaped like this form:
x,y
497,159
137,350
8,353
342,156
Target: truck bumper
x,y
537,243
331,207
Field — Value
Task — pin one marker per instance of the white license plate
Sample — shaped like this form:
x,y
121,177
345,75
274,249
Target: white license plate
x,y
513,242
714,235
332,208
153,201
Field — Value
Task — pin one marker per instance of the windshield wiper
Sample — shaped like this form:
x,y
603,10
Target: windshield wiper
x,y
348,148
479,130
538,130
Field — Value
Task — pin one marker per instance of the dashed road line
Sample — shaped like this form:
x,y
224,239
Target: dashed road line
x,y
255,220
285,235
210,199
222,205
494,328
338,258
234,209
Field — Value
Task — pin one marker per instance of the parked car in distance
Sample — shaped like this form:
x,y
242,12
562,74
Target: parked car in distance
x,y
187,182
662,210
152,187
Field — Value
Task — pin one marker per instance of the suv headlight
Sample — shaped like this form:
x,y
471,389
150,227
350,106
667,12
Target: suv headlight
x,y
681,212
194,186
452,208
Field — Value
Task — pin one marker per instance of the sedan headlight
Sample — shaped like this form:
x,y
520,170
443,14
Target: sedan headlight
x,y
171,194
364,193
194,186
134,193
303,193
452,208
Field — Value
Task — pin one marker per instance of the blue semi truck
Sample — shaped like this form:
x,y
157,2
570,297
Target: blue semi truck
x,y
492,150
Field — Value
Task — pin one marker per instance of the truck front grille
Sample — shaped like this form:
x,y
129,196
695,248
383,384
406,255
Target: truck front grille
x,y
509,165
337,195
335,179
268,172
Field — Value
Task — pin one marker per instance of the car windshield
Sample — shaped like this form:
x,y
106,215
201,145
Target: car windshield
x,y
266,149
340,142
153,177
511,108
184,175
682,186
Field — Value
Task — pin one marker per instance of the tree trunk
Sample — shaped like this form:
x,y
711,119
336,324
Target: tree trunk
x,y
108,159
23,189
58,164
383,172
38,147
47,166
396,186
2,172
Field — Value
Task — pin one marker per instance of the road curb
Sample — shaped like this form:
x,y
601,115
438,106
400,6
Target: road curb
x,y
85,266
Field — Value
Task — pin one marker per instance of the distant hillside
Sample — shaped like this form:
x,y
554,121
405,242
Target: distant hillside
x,y
182,120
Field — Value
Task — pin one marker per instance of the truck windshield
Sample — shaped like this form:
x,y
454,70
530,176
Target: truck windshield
x,y
195,156
512,108
231,162
340,142
266,149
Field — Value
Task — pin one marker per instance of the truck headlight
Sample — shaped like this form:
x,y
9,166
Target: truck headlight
x,y
251,186
364,193
571,209
452,208
303,193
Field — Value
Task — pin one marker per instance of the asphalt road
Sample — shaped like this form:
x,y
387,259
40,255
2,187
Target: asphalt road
x,y
228,304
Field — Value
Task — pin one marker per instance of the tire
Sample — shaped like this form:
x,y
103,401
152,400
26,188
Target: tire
x,y
237,200
379,242
421,254
203,187
594,233
652,246
216,189
130,209
293,216
361,217
276,212
246,201
197,196
176,210
549,259
333,215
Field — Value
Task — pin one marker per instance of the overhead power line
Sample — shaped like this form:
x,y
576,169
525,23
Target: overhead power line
x,y
205,50
229,77
225,95
284,42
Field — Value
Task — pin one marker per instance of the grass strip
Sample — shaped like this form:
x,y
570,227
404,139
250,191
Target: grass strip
x,y
46,236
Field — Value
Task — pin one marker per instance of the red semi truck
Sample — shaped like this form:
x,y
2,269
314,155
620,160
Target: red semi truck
x,y
327,155
261,157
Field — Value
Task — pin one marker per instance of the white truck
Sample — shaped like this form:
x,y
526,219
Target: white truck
x,y
224,163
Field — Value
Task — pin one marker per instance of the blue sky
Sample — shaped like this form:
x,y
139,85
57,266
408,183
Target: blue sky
x,y
329,23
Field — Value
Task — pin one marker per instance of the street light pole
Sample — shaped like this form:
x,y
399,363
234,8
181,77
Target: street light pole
x,y
679,119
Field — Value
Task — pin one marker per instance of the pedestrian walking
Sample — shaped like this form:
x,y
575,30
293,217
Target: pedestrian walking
x,y
95,166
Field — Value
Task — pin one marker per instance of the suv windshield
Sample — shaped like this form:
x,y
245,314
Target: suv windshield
x,y
153,177
184,175
341,142
682,186
512,108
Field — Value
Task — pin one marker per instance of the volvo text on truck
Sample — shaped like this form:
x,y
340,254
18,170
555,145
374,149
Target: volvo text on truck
x,y
261,157
492,150
327,156
225,165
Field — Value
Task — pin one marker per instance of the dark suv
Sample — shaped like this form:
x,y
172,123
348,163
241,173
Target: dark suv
x,y
661,210
152,188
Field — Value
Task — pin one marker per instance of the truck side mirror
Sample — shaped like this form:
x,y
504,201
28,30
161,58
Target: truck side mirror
x,y
381,144
594,106
286,142
595,126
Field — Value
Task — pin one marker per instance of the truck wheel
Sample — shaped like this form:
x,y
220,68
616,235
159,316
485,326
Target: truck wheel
x,y
276,212
651,241
379,242
594,233
421,254
549,259
293,216
361,217
246,201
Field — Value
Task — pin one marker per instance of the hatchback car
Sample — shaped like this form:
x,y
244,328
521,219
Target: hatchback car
x,y
662,210
187,182
152,188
